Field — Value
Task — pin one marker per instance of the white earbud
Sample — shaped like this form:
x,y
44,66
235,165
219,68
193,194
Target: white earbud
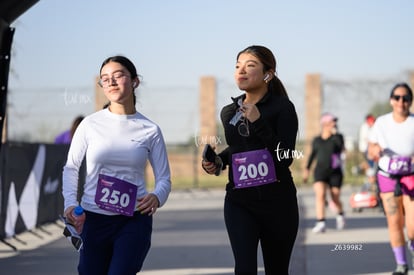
x,y
134,84
267,76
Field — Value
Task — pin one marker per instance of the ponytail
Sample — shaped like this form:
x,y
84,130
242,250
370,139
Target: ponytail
x,y
276,86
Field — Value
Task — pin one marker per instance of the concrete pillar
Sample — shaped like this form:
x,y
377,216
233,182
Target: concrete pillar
x,y
207,103
313,109
208,115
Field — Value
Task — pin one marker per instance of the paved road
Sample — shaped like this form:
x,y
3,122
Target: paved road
x,y
189,238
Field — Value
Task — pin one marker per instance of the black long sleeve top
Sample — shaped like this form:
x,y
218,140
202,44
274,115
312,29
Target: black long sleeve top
x,y
275,130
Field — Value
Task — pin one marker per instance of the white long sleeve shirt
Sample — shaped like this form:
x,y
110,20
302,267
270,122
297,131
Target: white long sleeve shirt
x,y
394,137
117,146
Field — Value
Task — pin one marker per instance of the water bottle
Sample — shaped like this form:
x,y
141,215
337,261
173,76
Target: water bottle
x,y
78,216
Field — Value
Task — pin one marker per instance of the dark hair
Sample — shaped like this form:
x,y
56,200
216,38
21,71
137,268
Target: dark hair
x,y
124,62
403,85
269,63
75,124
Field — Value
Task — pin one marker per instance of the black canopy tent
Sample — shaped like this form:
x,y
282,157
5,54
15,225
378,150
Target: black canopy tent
x,y
10,10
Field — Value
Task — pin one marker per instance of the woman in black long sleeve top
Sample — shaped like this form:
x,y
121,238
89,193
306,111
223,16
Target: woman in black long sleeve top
x,y
260,129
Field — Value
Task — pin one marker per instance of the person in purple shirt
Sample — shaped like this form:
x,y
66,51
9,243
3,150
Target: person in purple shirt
x,y
66,136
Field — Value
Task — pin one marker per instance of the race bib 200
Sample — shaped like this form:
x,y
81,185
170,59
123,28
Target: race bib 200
x,y
253,168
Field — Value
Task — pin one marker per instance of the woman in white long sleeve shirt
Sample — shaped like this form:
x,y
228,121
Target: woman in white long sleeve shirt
x,y
391,144
116,142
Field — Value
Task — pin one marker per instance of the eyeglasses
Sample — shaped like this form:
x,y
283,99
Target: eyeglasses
x,y
106,81
243,128
405,98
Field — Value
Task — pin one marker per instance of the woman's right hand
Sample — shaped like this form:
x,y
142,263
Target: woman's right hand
x,y
374,151
305,175
68,214
209,167
76,221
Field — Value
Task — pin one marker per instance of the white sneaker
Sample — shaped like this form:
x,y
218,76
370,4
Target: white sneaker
x,y
319,227
340,222
401,270
410,245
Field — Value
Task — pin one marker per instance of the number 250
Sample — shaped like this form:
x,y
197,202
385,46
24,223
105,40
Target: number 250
x,y
114,198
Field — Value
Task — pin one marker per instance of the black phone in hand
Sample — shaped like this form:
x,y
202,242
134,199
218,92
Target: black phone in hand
x,y
209,154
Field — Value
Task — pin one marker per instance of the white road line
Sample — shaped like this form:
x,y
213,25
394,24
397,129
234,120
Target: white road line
x,y
191,271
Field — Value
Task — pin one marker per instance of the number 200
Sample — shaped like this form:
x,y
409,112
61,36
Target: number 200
x,y
251,171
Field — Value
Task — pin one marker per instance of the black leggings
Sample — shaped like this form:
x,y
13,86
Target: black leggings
x,y
273,223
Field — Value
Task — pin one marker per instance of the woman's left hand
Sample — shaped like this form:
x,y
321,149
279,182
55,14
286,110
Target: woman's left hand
x,y
148,204
250,112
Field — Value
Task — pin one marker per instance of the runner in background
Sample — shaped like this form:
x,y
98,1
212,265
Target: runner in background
x,y
327,150
391,144
66,136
